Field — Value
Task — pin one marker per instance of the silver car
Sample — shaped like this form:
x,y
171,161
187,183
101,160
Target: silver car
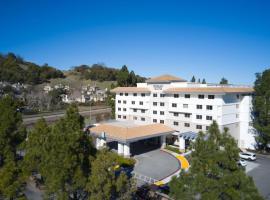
x,y
247,156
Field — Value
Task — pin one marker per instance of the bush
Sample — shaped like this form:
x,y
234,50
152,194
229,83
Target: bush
x,y
125,162
175,150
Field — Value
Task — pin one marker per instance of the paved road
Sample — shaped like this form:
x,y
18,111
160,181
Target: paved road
x,y
156,164
50,118
260,171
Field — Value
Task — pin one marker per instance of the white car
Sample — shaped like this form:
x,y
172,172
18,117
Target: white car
x,y
247,156
242,162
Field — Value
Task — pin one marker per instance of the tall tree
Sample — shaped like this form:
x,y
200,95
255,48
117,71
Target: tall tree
x,y
203,81
224,81
214,173
132,79
65,157
104,183
199,80
193,79
12,135
123,76
261,109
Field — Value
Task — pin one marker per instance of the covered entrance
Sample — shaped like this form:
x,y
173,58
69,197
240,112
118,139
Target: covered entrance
x,y
129,138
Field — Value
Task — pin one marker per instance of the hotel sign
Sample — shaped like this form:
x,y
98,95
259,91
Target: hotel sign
x,y
158,87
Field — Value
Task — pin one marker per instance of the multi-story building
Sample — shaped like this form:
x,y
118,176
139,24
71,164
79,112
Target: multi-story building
x,y
187,106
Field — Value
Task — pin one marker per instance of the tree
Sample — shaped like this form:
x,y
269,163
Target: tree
x,y
123,76
261,109
12,135
214,173
193,79
224,81
65,155
132,79
103,182
199,80
203,81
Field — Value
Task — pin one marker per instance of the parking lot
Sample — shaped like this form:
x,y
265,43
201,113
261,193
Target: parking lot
x,y
260,171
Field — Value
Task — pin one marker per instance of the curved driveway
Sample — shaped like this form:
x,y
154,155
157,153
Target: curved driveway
x,y
156,164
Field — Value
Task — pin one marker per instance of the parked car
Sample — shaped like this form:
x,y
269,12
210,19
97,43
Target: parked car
x,y
242,163
247,156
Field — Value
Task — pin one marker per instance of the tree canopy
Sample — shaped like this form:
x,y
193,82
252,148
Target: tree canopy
x,y
14,69
224,81
214,173
12,135
261,109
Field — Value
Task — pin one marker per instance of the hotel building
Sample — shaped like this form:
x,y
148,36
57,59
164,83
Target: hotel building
x,y
186,106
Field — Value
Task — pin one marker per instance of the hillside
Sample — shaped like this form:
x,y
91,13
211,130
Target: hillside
x,y
14,69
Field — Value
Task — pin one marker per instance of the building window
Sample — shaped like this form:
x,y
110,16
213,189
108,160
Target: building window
x,y
209,117
175,123
161,103
143,111
162,95
135,118
198,116
201,96
119,116
155,120
161,121
207,128
133,102
124,117
198,126
237,115
187,96
124,102
174,105
124,109
142,119
237,106
186,124
126,94
119,109
208,107
176,95
211,96
154,103
141,103
175,114
161,112
121,94
154,112
199,106
238,96
119,101
143,94
134,94
185,105
155,95
187,115
135,110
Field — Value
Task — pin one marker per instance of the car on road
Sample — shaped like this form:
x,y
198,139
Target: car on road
x,y
247,156
242,163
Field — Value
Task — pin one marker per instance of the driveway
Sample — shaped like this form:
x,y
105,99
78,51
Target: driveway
x,y
156,164
259,171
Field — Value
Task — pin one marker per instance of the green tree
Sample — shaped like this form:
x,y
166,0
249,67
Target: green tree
x,y
224,81
12,135
193,79
214,173
65,155
123,76
261,109
203,81
132,79
199,80
103,182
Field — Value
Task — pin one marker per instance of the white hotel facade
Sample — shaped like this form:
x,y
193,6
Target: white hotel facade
x,y
186,106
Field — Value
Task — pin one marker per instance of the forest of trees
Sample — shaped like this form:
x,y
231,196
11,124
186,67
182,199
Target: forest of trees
x,y
99,72
14,69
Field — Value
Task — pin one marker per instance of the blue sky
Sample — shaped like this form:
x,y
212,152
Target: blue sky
x,y
208,39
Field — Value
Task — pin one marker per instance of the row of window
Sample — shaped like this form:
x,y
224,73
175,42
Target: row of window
x,y
199,127
187,96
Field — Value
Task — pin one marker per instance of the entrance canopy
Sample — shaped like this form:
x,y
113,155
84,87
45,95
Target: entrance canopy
x,y
186,135
128,131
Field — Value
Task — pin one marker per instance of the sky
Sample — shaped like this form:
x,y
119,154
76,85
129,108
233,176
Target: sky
x,y
207,39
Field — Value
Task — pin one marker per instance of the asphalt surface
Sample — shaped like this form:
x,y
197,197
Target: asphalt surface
x,y
259,170
28,121
156,164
